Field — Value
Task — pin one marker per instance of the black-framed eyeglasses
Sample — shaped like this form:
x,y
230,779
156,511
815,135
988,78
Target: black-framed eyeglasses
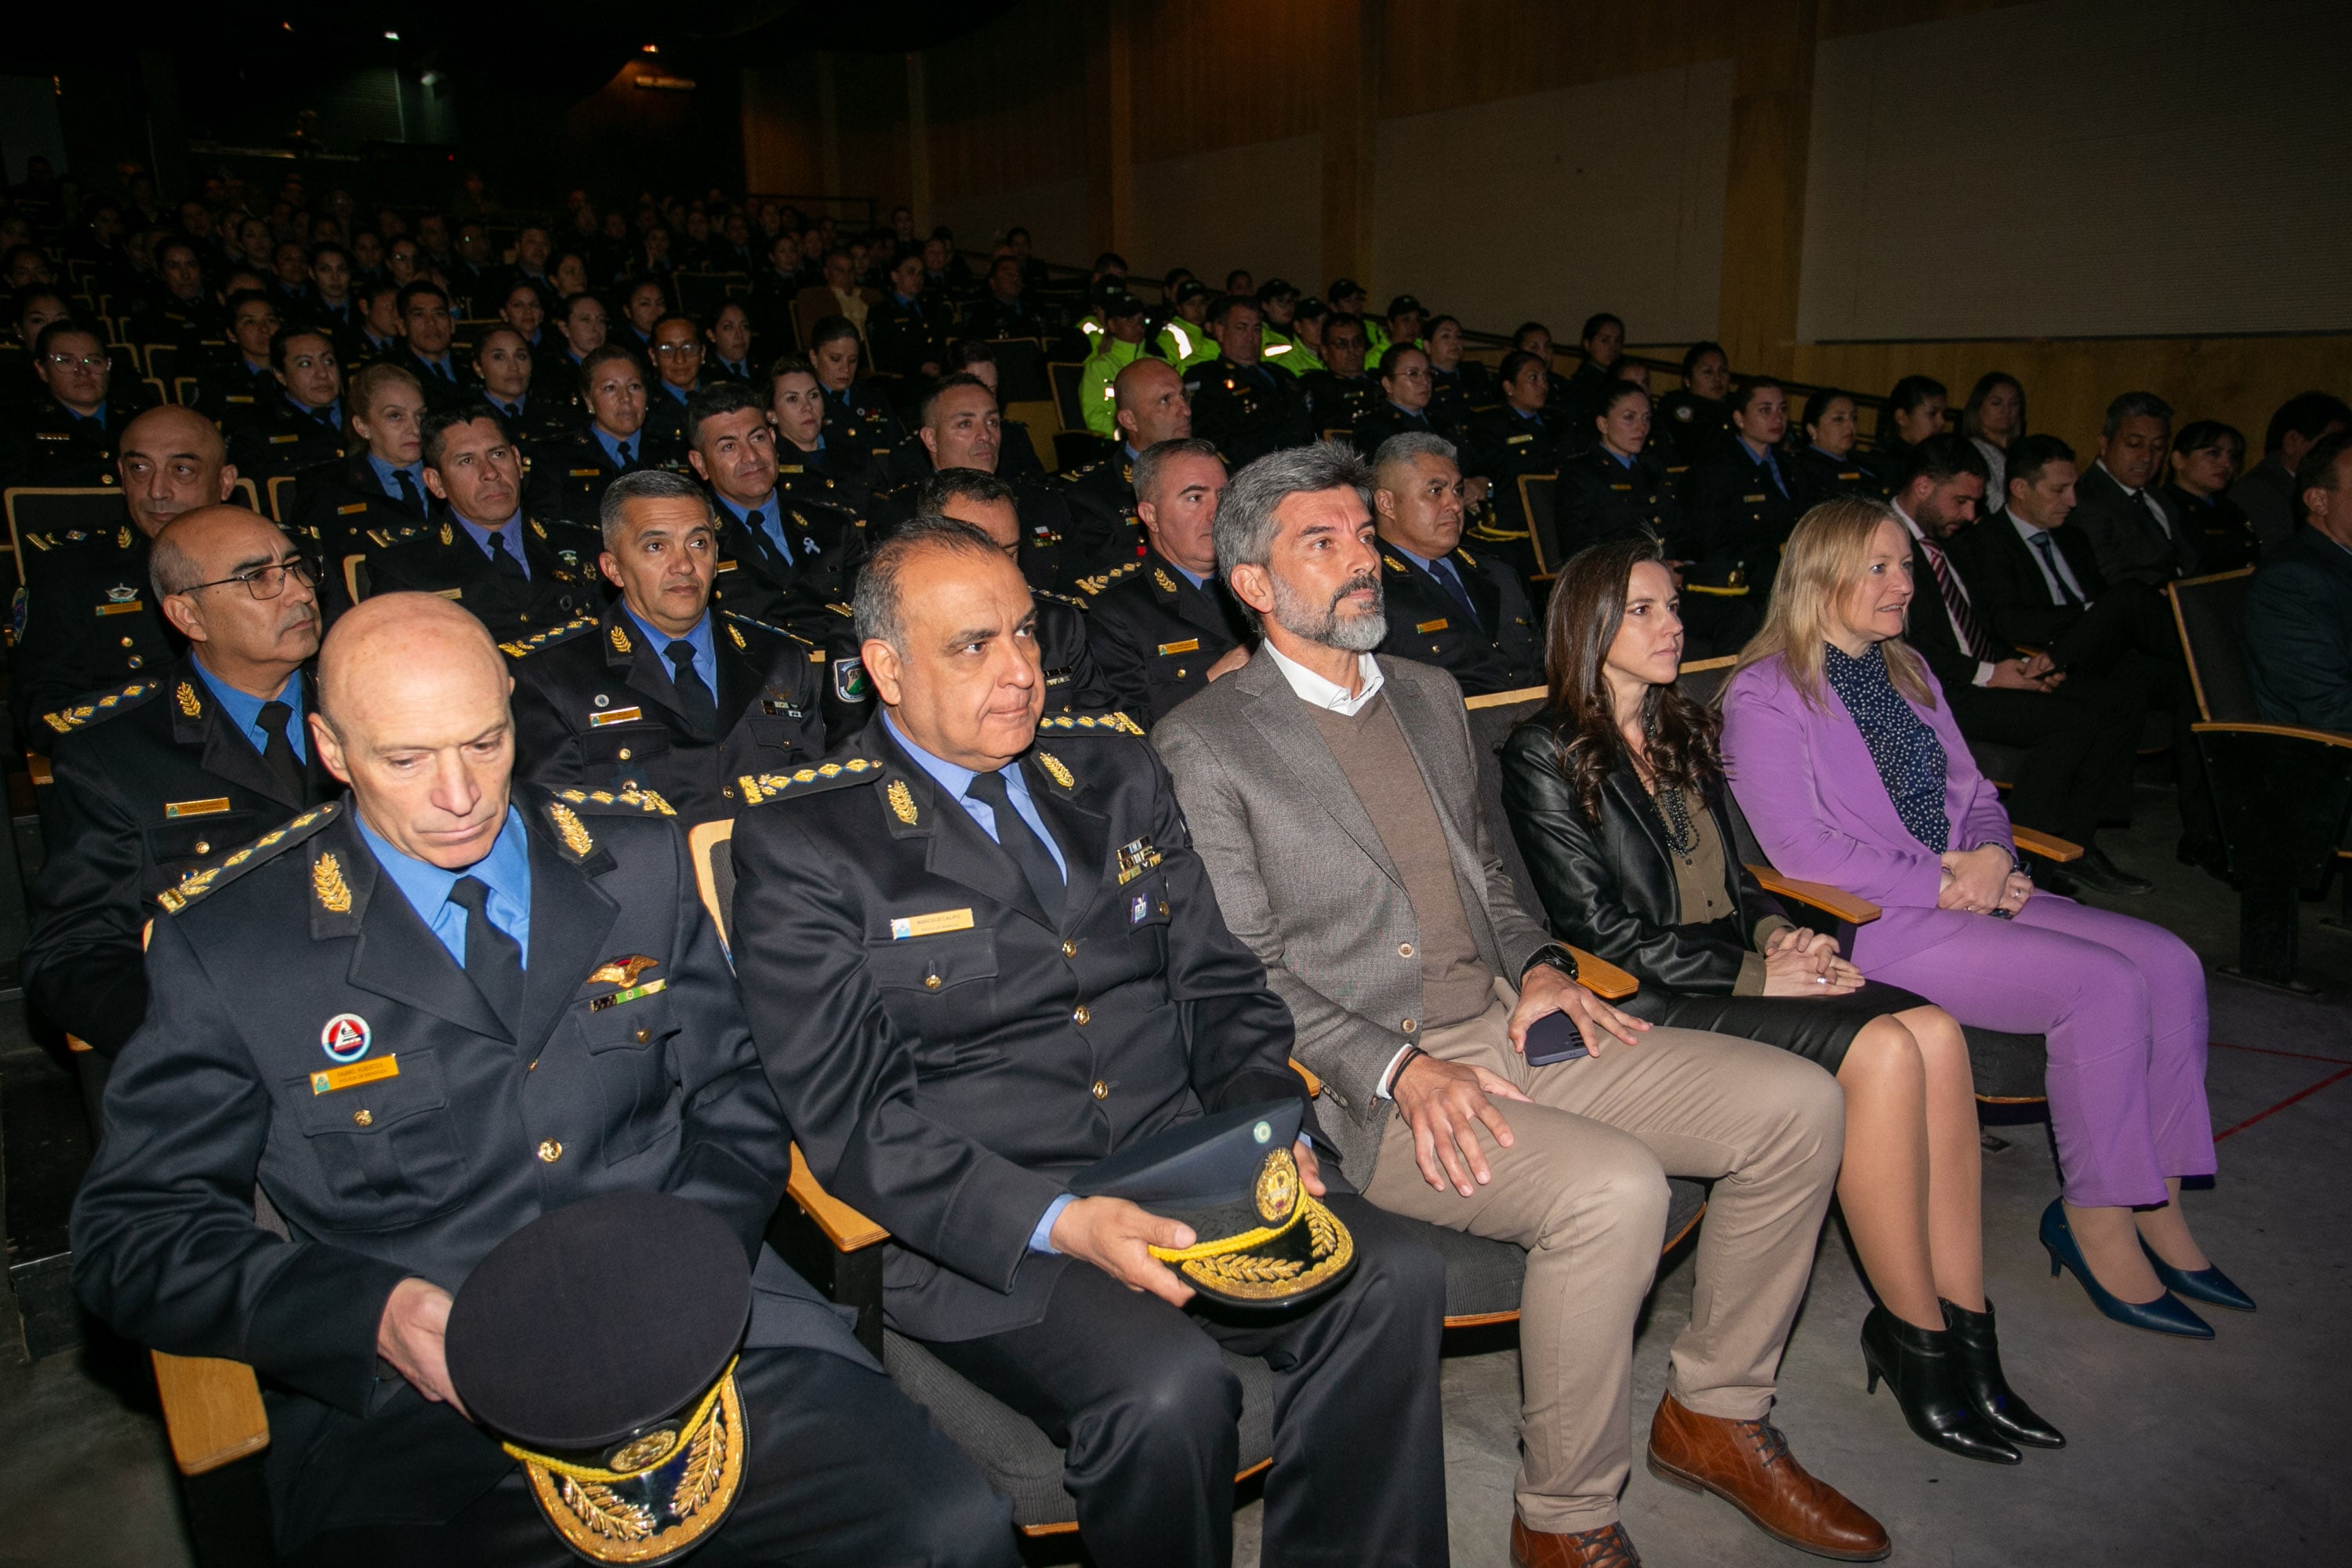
x,y
267,582
88,361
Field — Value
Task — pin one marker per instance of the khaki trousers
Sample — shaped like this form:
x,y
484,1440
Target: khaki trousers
x,y
1583,1189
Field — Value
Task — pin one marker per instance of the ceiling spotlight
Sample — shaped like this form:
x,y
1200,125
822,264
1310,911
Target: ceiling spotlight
x,y
649,49
395,38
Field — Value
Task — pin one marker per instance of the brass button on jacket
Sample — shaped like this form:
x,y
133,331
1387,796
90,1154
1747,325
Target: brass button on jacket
x,y
550,1150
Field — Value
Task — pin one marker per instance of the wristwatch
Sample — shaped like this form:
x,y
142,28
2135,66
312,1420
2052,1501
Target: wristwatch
x,y
1554,955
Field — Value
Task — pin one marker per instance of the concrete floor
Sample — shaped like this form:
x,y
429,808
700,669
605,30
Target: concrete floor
x,y
2180,1452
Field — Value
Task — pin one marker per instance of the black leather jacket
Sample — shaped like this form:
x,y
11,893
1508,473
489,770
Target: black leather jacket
x,y
1609,888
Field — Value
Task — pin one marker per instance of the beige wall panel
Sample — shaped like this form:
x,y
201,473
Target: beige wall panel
x,y
1605,196
1257,207
1058,217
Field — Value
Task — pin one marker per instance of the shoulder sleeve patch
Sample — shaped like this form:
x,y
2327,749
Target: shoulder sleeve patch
x,y
211,878
99,709
759,788
523,648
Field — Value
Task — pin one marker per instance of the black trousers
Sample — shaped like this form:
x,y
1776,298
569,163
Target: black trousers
x,y
2128,635
846,1472
1134,1389
2080,741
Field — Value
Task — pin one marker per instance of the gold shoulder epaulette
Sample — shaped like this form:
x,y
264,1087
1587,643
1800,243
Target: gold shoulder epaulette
x,y
1058,597
758,788
211,878
645,801
522,646
1101,580
769,626
1090,724
100,708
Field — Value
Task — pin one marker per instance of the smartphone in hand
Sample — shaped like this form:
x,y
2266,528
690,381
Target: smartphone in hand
x,y
1554,1039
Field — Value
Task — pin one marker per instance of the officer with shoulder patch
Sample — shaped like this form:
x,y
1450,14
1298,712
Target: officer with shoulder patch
x,y
70,439
1240,407
375,496
1073,678
567,477
1340,394
1150,408
84,620
299,423
978,957
780,559
1467,614
415,1020
517,574
158,775
661,692
1695,419
1166,625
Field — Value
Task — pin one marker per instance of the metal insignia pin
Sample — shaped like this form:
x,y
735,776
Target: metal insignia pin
x,y
346,1038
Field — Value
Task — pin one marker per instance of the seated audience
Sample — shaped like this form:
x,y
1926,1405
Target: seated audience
x,y
811,465
1467,614
2206,456
1121,345
1074,680
1503,445
1016,454
2135,537
73,437
1150,407
1164,625
1994,418
1333,795
1694,418
1239,406
1828,466
300,423
429,330
2299,606
1614,489
506,366
961,427
2267,494
568,474
1922,833
660,692
446,922
1080,1041
1458,387
730,336
783,557
232,390
1340,392
375,496
857,413
1615,794
1914,410
908,328
1404,406
1738,503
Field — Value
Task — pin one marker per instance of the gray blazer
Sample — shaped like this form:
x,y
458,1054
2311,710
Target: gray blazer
x,y
1303,878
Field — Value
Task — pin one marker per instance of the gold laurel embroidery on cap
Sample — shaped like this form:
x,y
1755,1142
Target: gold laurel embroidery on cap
x,y
703,1459
902,802
600,1510
327,880
188,703
568,823
1054,770
1165,580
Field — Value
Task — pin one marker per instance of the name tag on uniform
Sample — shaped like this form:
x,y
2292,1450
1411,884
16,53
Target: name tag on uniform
x,y
1516,440
1850,474
631,994
239,397
176,809
354,509
617,716
1621,487
726,566
931,924
585,473
283,441
128,607
358,1073
1425,627
1189,645
1752,501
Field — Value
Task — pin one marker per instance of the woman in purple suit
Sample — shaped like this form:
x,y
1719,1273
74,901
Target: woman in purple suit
x,y
1847,763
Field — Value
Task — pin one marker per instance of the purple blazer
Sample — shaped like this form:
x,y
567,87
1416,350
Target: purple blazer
x,y
1805,780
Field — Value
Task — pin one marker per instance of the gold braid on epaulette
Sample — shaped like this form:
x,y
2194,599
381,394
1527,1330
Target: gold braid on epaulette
x,y
1090,724
645,800
1101,580
759,787
548,638
65,720
230,867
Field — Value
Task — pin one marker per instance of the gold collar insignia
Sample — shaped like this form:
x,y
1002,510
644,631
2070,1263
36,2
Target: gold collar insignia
x,y
326,882
574,832
902,802
1054,770
188,703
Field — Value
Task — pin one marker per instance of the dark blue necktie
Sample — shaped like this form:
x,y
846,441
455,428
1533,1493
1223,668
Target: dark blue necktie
x,y
2049,549
493,959
409,494
623,451
1451,580
1020,841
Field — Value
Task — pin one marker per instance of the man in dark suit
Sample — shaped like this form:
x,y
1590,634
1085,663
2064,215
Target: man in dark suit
x,y
1055,985
85,619
202,754
2081,732
414,1021
1467,614
2266,493
2299,609
1239,405
660,693
781,558
1165,626
519,574
2115,501
2038,584
429,329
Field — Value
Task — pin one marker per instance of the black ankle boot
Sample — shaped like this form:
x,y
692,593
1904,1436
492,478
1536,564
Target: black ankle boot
x,y
1918,1365
1975,1355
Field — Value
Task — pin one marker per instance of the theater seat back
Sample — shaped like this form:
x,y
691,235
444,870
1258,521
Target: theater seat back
x,y
2211,612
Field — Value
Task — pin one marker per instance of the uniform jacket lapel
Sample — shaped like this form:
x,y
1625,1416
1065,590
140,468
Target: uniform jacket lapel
x,y
1083,834
570,918
647,672
397,956
956,848
229,753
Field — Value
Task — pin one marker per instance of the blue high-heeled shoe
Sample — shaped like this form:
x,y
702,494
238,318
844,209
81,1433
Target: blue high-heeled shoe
x,y
2164,1315
2206,1284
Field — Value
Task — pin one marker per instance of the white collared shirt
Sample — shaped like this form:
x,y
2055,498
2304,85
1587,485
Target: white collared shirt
x,y
2026,531
1984,674
2145,497
1312,687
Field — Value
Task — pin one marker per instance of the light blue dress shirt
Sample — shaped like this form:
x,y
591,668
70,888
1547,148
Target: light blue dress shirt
x,y
1195,578
506,869
383,472
612,444
245,709
705,654
511,528
772,520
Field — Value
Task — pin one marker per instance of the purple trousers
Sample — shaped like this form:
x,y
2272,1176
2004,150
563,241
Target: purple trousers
x,y
2123,1005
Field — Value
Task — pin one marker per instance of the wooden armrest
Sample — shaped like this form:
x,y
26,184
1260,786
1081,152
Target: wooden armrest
x,y
1314,1084
2049,846
1602,978
844,1226
1506,698
2291,731
212,1409
1835,902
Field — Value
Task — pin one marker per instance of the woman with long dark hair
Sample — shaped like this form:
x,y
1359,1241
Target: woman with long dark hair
x,y
1616,797
1994,418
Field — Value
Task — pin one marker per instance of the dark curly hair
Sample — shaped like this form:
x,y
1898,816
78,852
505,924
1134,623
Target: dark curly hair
x,y
1588,605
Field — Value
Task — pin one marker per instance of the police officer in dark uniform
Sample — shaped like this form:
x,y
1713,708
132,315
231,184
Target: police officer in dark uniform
x,y
1615,488
567,477
507,367
1830,463
1467,613
811,465
962,428
1501,444
70,439
414,1029
1739,504
1579,396
235,389
176,311
1150,408
1695,419
1340,394
858,415
199,755
781,559
1074,679
981,955
661,693
376,495
299,423
1165,626
1404,406
429,331
1239,405
519,574
85,619
908,330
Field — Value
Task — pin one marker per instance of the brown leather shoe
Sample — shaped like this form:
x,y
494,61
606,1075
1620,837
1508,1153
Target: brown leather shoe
x,y
1607,1547
1747,1465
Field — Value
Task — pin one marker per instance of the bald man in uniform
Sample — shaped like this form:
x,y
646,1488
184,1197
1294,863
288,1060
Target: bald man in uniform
x,y
1152,408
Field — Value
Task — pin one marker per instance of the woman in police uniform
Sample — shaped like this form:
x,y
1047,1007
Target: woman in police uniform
x,y
1829,467
1692,421
1616,490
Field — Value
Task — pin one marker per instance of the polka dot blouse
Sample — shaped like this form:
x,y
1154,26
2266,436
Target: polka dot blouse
x,y
1910,758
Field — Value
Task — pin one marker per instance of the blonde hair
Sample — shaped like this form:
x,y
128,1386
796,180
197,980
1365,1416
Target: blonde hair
x,y
371,381
1821,565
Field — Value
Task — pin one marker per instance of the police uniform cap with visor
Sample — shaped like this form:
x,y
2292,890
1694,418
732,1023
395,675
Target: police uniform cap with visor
x,y
598,1343
1261,1239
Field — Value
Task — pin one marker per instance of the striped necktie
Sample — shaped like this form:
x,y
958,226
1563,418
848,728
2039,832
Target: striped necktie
x,y
1956,604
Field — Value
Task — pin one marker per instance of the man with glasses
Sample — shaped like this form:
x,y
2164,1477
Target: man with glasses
x,y
1405,410
677,376
199,754
70,439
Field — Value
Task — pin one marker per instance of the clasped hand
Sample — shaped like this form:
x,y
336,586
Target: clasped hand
x,y
1982,880
1117,1237
1801,962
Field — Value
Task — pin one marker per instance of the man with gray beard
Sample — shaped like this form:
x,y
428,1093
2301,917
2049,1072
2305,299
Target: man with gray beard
x,y
1332,795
